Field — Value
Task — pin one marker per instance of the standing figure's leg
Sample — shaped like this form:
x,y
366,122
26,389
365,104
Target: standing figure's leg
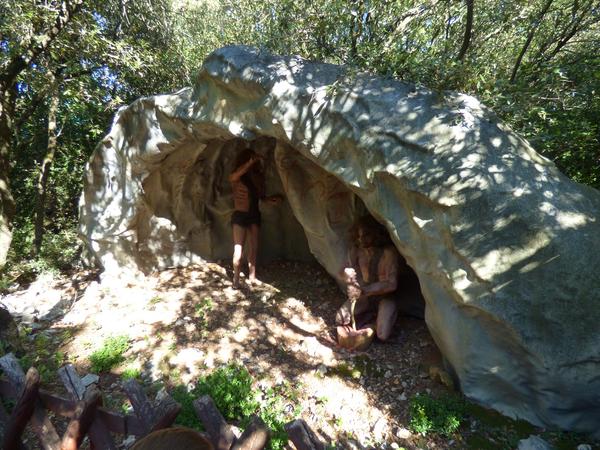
x,y
386,317
252,251
239,236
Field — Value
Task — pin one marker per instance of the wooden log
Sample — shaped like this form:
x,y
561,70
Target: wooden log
x,y
152,416
165,412
13,371
255,436
82,420
116,423
39,422
5,419
141,405
302,436
72,382
221,434
99,434
22,411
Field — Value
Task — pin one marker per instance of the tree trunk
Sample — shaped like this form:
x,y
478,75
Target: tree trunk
x,y
468,31
7,203
42,184
36,47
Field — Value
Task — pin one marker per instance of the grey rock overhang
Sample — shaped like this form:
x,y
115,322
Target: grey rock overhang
x,y
504,245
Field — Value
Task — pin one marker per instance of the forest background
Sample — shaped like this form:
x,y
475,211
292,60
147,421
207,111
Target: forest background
x,y
67,66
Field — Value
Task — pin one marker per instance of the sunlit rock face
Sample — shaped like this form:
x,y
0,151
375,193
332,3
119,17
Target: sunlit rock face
x,y
505,247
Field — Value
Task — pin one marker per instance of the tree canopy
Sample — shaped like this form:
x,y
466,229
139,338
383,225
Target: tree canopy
x,y
66,66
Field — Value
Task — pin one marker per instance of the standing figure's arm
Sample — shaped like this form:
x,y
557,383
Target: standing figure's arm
x,y
237,173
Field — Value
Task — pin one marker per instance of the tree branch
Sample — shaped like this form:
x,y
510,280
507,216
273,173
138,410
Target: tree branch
x,y
39,44
535,26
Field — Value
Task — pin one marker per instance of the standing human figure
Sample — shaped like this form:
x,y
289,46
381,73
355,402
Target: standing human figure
x,y
248,186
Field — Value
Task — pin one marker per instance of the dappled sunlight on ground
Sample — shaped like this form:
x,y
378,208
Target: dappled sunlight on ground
x,y
182,323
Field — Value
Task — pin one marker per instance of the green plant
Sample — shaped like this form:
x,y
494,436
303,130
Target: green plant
x,y
231,388
187,416
131,373
201,309
156,299
110,354
276,410
442,415
40,355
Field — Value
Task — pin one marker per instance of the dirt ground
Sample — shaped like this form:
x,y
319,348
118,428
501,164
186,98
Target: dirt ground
x,y
183,323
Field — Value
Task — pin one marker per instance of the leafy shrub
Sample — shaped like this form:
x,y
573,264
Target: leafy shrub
x,y
39,354
110,354
231,388
443,415
61,250
131,373
187,416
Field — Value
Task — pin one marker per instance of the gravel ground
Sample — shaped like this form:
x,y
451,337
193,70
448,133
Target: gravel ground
x,y
182,323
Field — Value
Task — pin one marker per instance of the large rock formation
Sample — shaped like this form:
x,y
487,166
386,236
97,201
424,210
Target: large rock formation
x,y
505,247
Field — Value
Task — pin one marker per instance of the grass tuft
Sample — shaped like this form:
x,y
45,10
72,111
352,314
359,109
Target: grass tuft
x,y
442,415
110,354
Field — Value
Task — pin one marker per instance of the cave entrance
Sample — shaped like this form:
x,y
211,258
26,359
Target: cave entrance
x,y
312,224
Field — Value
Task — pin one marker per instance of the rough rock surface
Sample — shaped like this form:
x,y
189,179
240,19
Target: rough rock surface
x,y
505,246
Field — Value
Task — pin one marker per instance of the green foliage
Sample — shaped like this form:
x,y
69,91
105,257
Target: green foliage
x,y
40,354
131,373
113,52
110,354
232,389
443,415
187,416
202,308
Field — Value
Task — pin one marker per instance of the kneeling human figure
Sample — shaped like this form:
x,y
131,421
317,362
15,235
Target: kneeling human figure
x,y
371,278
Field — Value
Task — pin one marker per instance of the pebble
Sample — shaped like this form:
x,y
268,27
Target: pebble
x,y
129,441
388,374
403,433
533,443
402,397
584,447
89,379
379,428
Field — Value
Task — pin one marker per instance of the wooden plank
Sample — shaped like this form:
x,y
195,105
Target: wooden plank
x,y
39,422
13,371
22,411
82,420
98,433
141,405
152,417
302,436
165,412
4,418
115,422
72,381
120,424
255,436
221,434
